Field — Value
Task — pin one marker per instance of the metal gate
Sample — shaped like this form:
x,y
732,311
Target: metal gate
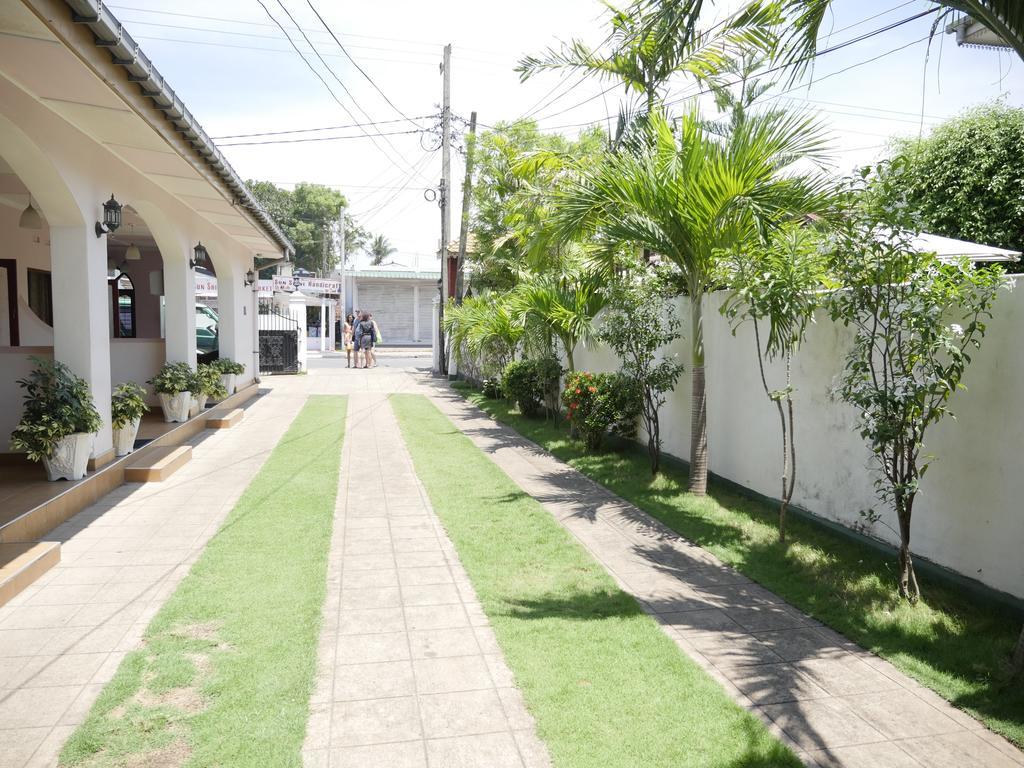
x,y
279,340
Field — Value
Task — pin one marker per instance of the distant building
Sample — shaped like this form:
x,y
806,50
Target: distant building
x,y
401,299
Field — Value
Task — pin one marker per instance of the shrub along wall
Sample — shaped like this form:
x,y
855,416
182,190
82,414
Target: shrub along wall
x,y
968,517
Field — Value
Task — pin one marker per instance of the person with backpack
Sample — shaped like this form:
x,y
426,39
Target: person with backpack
x,y
366,335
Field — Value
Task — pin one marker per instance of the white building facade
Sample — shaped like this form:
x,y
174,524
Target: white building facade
x,y
84,116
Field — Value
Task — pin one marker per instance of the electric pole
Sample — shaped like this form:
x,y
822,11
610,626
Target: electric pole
x,y
446,224
342,311
467,188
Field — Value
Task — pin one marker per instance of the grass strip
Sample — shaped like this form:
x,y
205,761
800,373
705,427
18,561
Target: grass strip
x,y
227,666
607,687
950,642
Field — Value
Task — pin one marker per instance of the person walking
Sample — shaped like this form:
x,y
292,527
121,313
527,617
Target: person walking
x,y
347,334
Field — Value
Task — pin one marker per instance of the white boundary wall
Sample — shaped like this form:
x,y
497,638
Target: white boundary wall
x,y
970,514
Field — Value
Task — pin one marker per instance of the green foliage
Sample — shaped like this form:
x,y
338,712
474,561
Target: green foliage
x,y
638,327
306,214
517,169
964,180
227,366
57,403
127,403
560,304
599,403
531,384
491,388
173,378
915,322
208,381
483,334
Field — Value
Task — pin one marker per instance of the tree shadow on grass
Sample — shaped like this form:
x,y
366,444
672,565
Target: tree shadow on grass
x,y
590,605
952,642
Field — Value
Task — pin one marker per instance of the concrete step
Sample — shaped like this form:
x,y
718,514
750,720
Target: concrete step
x,y
21,563
224,419
158,464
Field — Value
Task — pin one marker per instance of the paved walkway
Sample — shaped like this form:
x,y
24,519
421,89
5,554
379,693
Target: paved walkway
x,y
62,639
409,672
832,702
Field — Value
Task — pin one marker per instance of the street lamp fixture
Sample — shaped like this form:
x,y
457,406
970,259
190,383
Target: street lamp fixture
x,y
111,218
201,255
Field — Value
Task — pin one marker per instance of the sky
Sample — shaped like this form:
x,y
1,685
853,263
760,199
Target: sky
x,y
238,74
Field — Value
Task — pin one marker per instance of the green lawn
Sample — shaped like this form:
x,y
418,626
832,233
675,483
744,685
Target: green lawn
x,y
952,642
606,686
227,667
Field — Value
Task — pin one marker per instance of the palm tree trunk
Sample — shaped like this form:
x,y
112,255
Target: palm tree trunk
x,y
698,400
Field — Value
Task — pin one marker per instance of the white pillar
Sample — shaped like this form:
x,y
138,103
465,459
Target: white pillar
x,y
232,327
81,329
180,300
415,312
330,325
323,323
297,310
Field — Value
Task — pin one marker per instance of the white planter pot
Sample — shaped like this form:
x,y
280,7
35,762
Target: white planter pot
x,y
70,457
176,406
198,403
124,437
228,380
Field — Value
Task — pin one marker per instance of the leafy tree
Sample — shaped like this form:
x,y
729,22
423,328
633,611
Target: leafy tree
x,y
518,168
691,196
307,214
915,321
777,287
965,180
638,327
379,249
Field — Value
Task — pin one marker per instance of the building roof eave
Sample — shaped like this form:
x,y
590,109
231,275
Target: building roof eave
x,y
110,34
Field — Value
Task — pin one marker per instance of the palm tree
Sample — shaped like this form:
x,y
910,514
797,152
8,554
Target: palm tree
x,y
380,249
691,196
805,17
648,44
561,304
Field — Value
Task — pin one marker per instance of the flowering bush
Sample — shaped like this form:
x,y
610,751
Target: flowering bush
x,y
598,403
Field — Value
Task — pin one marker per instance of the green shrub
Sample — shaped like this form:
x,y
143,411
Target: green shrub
x,y
208,381
531,384
173,378
492,388
599,403
227,366
57,404
127,403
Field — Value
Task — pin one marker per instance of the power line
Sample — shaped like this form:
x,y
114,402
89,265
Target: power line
x,y
370,136
340,82
311,130
356,65
324,82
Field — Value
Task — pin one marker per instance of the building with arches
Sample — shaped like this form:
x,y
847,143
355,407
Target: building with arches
x,y
86,120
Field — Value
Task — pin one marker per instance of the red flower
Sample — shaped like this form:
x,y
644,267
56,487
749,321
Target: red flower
x,y
592,389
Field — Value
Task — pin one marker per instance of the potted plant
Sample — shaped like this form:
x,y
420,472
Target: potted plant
x,y
127,404
208,385
59,421
174,383
229,369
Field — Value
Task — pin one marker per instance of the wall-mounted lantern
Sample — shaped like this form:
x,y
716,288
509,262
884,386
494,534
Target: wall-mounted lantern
x,y
201,255
30,218
250,278
111,218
